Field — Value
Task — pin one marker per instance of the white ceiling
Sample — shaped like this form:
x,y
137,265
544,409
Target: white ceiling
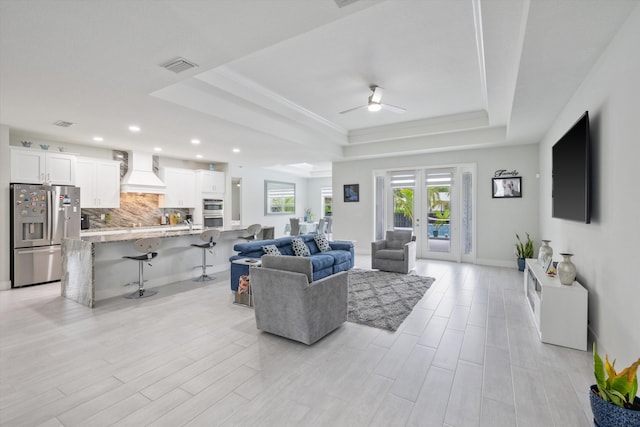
x,y
273,75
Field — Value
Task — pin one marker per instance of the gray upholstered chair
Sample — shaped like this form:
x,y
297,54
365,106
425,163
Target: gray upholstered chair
x,y
322,226
329,229
295,226
397,252
289,304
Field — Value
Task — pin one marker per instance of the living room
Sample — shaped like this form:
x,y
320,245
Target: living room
x,y
609,90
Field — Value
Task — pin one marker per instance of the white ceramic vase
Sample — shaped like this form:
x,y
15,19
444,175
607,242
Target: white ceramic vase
x,y
566,270
544,253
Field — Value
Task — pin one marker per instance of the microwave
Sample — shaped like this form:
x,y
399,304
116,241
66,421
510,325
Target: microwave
x,y
210,221
212,205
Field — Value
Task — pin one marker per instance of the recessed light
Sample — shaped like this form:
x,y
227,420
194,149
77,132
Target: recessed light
x,y
195,141
134,128
236,150
199,156
157,149
98,138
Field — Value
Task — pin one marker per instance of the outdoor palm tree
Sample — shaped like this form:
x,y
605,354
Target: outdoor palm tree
x,y
403,202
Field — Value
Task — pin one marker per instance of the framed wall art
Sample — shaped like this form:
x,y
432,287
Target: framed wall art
x,y
352,192
506,187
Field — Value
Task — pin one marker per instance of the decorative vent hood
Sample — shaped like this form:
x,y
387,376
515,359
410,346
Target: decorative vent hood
x,y
140,177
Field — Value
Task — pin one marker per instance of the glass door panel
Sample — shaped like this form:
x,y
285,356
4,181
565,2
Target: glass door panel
x,y
440,239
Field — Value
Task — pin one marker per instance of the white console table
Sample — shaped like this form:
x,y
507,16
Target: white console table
x,y
559,311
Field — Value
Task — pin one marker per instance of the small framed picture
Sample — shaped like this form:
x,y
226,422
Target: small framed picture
x,y
506,187
352,192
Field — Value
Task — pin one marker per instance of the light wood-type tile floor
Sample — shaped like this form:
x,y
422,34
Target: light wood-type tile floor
x,y
468,355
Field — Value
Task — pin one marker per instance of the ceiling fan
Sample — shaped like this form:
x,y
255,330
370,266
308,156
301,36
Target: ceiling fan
x,y
375,102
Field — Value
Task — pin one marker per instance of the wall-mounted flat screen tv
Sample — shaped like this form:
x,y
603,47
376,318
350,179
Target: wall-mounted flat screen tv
x,y
571,173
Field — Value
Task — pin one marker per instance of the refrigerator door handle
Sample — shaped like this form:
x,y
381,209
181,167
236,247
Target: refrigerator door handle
x,y
50,216
37,250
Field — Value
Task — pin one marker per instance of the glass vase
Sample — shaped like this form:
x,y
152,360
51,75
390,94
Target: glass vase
x,y
544,253
566,270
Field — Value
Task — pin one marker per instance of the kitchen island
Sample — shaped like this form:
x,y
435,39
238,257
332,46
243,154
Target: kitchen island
x,y
93,268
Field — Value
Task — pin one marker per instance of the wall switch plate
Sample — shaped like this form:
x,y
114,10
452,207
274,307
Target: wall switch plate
x,y
102,217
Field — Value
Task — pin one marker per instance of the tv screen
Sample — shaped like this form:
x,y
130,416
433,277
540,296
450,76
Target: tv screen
x,y
570,173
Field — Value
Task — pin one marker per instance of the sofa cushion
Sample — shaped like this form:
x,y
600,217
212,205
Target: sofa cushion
x,y
271,250
299,247
394,254
339,256
322,242
321,261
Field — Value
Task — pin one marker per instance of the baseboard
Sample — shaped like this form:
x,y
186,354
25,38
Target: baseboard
x,y
497,263
5,285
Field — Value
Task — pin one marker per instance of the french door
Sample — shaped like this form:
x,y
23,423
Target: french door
x,y
436,203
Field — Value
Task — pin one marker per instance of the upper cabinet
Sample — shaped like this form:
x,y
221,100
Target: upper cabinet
x,y
99,182
180,191
39,167
210,183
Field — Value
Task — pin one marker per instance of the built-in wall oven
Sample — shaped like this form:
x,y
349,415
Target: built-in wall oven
x,y
213,212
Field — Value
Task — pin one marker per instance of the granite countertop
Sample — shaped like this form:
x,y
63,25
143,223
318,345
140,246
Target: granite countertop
x,y
130,234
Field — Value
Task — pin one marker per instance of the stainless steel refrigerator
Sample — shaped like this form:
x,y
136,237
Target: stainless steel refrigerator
x,y
41,216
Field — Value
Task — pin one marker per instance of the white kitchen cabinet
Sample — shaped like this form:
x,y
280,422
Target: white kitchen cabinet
x,y
40,167
180,191
559,311
210,184
99,182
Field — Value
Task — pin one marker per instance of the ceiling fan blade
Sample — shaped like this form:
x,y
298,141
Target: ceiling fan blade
x,y
393,108
352,109
376,96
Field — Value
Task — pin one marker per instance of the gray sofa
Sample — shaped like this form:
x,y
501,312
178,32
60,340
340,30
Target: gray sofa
x,y
397,252
289,303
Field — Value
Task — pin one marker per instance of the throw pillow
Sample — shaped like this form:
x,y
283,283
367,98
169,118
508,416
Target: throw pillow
x,y
271,250
299,247
322,242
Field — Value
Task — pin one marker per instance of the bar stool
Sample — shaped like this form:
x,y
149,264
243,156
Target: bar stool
x,y
209,237
252,232
148,248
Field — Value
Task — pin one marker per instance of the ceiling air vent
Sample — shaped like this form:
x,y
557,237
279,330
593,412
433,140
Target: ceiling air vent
x,y
179,65
63,124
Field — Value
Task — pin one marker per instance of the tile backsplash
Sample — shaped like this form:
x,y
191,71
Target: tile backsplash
x,y
139,209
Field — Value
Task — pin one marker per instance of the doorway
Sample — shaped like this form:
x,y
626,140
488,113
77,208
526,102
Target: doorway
x,y
236,201
436,203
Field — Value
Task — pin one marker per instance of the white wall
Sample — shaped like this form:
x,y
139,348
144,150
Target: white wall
x,y
606,251
253,196
497,219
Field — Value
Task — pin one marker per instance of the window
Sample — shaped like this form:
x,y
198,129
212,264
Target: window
x,y
327,200
279,198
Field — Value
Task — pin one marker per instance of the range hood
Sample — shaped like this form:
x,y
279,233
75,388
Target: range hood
x,y
140,177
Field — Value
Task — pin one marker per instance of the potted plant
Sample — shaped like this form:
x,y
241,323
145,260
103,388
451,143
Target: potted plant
x,y
442,219
614,401
523,250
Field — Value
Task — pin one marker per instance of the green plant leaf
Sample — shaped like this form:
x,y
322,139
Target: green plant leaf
x,y
598,370
617,398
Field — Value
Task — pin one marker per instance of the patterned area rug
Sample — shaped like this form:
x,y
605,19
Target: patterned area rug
x,y
383,300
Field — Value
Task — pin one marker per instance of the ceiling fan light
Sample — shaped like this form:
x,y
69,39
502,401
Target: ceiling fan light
x,y
374,106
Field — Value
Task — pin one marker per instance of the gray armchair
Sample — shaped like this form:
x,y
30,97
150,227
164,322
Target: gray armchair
x,y
396,253
287,303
